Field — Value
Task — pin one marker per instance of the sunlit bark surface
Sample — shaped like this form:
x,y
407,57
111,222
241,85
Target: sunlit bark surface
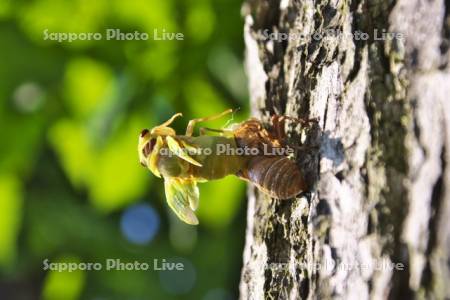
x,y
375,222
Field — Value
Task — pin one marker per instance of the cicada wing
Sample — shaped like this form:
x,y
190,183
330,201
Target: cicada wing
x,y
180,152
189,147
193,194
182,197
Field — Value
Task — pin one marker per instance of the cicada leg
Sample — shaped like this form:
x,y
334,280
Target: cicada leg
x,y
278,130
168,122
191,124
163,129
278,125
224,132
158,131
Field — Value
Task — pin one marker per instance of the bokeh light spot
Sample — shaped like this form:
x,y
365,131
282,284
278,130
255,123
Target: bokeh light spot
x,y
28,97
140,223
66,285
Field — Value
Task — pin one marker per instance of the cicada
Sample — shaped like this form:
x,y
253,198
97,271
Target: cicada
x,y
185,160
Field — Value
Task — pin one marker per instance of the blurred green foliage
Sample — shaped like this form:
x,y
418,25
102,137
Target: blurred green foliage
x,y
70,115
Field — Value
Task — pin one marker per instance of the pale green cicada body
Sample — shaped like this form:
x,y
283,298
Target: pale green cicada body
x,y
185,160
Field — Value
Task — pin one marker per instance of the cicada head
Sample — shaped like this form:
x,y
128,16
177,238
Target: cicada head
x,y
145,146
151,141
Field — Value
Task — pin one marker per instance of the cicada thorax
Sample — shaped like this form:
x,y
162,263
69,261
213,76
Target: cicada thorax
x,y
252,134
276,175
217,155
170,165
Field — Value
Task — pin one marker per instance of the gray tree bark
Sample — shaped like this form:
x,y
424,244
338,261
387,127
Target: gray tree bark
x,y
375,222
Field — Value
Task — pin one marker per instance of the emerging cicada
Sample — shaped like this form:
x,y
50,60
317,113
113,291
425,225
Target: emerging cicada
x,y
184,160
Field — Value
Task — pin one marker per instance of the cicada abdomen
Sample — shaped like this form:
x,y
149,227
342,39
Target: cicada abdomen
x,y
277,176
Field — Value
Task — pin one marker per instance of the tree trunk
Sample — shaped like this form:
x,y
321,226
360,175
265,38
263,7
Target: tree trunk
x,y
375,221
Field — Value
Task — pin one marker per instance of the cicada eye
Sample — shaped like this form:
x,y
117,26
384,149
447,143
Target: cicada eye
x,y
149,147
144,132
